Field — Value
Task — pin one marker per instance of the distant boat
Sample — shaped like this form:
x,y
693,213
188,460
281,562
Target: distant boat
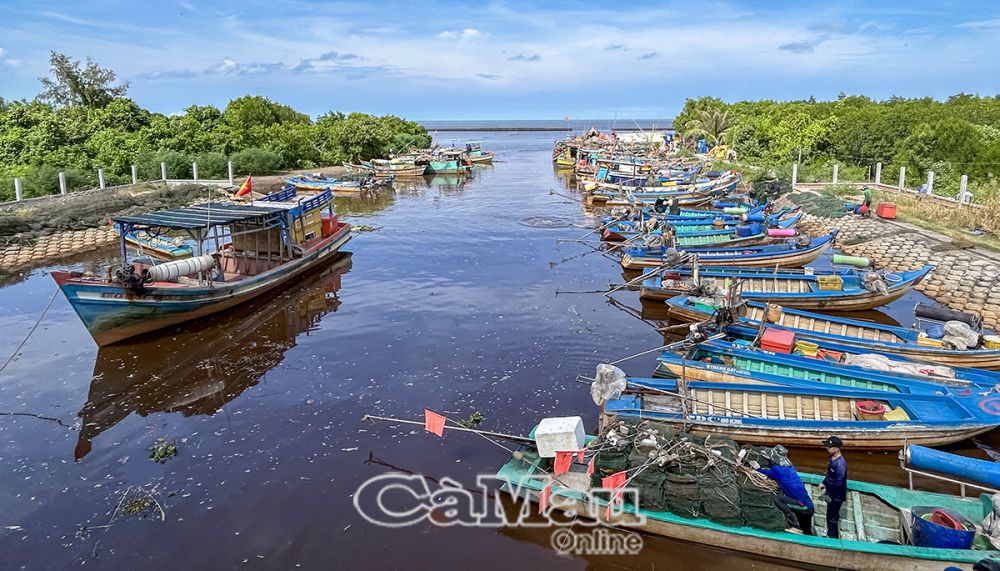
x,y
397,168
474,152
256,248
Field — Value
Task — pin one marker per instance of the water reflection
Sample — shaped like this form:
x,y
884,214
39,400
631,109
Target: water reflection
x,y
198,369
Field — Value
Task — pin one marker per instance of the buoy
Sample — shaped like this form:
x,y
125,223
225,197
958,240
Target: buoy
x,y
780,232
856,261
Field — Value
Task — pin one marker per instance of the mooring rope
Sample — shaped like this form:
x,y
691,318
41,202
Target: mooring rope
x,y
33,328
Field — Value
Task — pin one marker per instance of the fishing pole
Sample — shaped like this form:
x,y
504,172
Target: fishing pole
x,y
513,437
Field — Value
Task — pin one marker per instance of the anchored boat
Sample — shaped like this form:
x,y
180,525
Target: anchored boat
x,y
256,248
791,253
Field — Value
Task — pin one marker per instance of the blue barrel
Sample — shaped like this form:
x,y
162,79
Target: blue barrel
x,y
744,230
929,534
986,472
758,217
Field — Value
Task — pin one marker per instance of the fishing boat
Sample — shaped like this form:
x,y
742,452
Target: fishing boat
x,y
447,164
873,527
618,229
397,167
828,290
791,253
863,335
316,183
737,362
474,152
802,416
627,229
703,189
162,247
257,248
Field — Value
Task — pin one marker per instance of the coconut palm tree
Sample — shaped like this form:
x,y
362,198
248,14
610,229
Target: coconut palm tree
x,y
712,124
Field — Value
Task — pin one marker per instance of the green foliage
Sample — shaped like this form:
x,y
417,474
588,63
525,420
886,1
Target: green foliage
x,y
178,166
256,161
212,166
70,85
953,137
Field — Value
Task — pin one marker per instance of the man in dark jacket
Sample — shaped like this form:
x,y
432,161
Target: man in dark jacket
x,y
834,485
791,498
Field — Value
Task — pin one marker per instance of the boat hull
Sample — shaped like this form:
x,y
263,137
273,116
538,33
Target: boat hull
x,y
112,313
789,259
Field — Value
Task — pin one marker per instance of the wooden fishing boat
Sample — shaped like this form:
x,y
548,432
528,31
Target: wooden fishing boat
x,y
474,153
710,189
864,335
872,530
313,183
158,246
801,416
791,253
397,168
735,362
450,166
627,229
257,248
828,290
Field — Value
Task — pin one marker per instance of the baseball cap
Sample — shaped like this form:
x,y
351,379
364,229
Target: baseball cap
x,y
833,442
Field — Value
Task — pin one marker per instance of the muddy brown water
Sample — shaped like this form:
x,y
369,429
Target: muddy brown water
x,y
452,306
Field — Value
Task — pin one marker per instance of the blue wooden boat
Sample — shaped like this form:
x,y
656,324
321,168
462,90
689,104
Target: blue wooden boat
x,y
842,290
863,335
801,415
871,527
790,253
736,362
627,229
706,189
619,228
257,248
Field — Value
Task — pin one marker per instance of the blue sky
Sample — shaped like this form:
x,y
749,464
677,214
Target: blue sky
x,y
507,60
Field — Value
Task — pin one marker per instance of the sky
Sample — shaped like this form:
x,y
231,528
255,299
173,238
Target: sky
x,y
432,60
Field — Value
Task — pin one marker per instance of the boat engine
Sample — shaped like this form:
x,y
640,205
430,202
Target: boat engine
x,y
128,277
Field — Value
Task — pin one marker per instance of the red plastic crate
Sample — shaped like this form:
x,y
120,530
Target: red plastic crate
x,y
777,340
886,210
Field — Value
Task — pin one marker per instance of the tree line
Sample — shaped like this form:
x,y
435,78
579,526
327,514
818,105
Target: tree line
x,y
82,121
960,135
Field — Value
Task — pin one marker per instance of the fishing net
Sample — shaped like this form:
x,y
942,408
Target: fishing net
x,y
688,475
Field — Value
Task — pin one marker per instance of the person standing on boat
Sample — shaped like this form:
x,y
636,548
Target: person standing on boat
x,y
791,498
834,485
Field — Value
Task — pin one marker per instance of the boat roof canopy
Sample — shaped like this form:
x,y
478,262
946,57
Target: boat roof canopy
x,y
201,216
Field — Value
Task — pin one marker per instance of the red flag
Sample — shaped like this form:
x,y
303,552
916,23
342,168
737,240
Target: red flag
x,y
543,498
433,422
246,187
590,465
613,482
579,456
563,461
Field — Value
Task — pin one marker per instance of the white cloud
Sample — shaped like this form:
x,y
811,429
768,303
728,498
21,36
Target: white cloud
x,y
466,34
471,33
3,52
981,24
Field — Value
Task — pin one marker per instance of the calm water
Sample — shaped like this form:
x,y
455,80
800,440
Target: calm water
x,y
451,306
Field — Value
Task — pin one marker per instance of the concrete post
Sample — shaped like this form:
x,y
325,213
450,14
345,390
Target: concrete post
x,y
878,173
100,178
231,180
62,183
964,196
902,178
135,174
18,190
194,171
795,174
930,183
163,171
835,169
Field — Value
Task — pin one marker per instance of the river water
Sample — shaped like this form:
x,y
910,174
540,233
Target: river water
x,y
451,306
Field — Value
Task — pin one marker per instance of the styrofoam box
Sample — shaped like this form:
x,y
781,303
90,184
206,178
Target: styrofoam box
x,y
559,434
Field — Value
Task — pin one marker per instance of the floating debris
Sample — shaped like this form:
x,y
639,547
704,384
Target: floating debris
x,y
365,228
546,222
162,450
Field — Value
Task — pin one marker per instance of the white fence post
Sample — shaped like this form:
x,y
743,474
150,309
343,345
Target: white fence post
x,y
163,172
964,196
62,183
902,178
930,183
795,175
194,171
135,174
835,169
878,173
100,178
18,190
231,181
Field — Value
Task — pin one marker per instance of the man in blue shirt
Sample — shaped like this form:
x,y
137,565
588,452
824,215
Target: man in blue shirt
x,y
834,485
791,498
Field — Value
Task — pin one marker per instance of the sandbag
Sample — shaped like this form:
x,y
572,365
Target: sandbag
x,y
960,336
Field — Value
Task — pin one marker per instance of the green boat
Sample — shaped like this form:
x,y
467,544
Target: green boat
x,y
873,523
446,167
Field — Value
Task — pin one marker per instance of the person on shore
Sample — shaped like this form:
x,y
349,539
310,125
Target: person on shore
x,y
834,485
791,498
